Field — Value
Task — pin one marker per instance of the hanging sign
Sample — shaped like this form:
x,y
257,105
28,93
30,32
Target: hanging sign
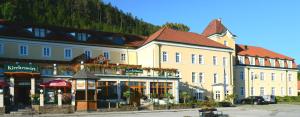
x,y
134,71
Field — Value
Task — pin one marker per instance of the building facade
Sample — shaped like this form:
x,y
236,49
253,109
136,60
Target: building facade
x,y
208,65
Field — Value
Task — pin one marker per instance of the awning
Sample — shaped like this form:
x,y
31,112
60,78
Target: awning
x,y
3,84
57,83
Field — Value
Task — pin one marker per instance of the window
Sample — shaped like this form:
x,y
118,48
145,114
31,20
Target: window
x,y
273,76
262,76
177,57
218,95
252,91
261,61
281,63
273,91
262,91
290,91
81,36
87,54
39,32
215,78
201,77
1,48
201,59
272,61
199,95
225,78
252,75
106,55
214,60
224,61
241,59
242,75
165,56
225,43
193,76
193,59
46,52
23,50
290,77
178,74
68,53
290,64
252,60
242,91
123,57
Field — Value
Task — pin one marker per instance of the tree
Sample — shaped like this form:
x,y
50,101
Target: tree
x,y
127,95
298,76
185,95
177,26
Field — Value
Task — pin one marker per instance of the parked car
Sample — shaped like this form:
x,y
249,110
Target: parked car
x,y
270,99
253,100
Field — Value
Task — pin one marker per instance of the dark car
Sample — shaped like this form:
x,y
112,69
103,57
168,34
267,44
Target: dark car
x,y
253,100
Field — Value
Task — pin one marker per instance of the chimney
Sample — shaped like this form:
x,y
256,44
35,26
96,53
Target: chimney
x,y
219,19
246,47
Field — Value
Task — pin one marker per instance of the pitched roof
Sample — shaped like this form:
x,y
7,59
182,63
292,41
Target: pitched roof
x,y
214,27
247,50
169,35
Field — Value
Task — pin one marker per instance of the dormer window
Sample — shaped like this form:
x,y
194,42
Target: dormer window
x,y
261,61
241,59
81,36
252,60
290,64
272,62
39,32
281,63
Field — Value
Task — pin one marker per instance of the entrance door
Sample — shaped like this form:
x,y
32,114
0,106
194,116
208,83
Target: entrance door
x,y
22,94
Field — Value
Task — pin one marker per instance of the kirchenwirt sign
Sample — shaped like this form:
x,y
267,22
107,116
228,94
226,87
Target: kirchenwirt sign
x,y
20,68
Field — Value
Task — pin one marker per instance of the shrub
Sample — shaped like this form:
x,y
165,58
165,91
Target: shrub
x,y
224,104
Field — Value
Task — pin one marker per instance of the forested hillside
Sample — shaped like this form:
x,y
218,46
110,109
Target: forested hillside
x,y
84,14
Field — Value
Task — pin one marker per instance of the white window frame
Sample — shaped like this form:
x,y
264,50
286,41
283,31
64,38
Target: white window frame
x,y
201,59
261,61
281,63
177,60
164,56
1,48
290,91
290,64
193,77
215,60
215,80
241,59
40,32
90,51
20,51
251,60
273,91
193,58
225,43
273,76
43,52
123,58
201,77
81,36
252,91
290,77
262,91
262,76
224,61
71,53
282,91
108,54
272,62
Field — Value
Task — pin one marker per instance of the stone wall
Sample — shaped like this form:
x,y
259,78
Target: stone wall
x,y
55,109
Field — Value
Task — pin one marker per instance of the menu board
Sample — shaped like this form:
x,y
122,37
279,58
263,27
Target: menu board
x,y
80,84
91,84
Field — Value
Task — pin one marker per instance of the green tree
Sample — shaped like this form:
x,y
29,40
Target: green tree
x,y
177,26
185,95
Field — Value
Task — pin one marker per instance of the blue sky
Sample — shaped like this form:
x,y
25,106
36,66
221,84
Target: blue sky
x,y
272,24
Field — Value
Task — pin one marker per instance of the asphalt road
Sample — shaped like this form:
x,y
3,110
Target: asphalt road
x,y
274,110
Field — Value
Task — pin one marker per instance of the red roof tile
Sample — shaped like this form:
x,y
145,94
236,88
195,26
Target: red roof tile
x,y
214,27
170,35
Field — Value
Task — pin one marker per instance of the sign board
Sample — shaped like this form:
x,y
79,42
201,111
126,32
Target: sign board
x,y
20,68
91,84
134,71
80,84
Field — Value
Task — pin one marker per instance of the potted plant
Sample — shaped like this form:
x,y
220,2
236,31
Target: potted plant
x,y
127,94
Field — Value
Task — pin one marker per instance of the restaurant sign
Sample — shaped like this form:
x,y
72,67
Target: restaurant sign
x,y
134,71
20,68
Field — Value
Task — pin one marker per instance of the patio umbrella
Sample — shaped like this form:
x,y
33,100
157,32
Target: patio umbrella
x,y
57,83
3,84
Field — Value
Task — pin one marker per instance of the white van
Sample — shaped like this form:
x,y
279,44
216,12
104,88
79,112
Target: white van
x,y
271,99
